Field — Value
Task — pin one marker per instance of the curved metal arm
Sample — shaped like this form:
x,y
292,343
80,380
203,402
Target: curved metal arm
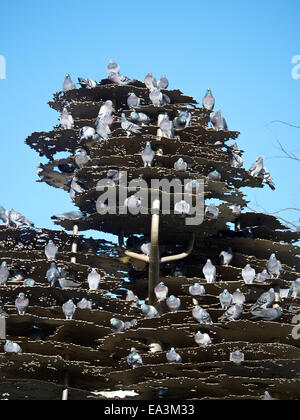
x,y
130,254
183,254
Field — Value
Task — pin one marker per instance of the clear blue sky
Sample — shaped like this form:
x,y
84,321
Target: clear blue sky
x,y
241,49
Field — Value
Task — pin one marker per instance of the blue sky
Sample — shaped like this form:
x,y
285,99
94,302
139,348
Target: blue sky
x,y
241,49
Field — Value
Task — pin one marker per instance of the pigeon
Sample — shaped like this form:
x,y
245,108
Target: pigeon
x,y
84,304
87,83
225,299
68,84
117,325
146,248
69,309
157,98
212,211
183,120
235,156
180,165
167,127
161,292
236,210
76,187
113,67
3,314
81,158
29,283
114,175
129,127
208,101
172,356
132,202
134,359
106,108
131,297
102,130
51,250
238,298
262,277
94,280
232,314
197,290
87,133
265,300
226,257
40,170
21,303
120,79
202,340
163,82
257,167
295,289
210,272
173,303
4,273
150,82
139,118
71,215
192,187
182,207
237,357
218,122
10,347
148,155
36,333
267,179
268,314
52,274
63,283
248,274
17,219
66,120
267,397
201,315
274,266
133,101
214,176
4,215
149,311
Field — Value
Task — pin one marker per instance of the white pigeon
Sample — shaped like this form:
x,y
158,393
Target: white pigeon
x,y
210,272
94,279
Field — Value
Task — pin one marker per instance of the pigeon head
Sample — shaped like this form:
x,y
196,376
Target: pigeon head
x,y
114,322
208,92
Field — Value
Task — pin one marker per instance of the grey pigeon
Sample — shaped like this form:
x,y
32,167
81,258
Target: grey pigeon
x,y
117,325
149,311
183,120
274,266
87,83
66,120
11,347
180,165
268,314
226,257
120,79
225,299
134,359
51,250
94,279
257,167
71,215
114,175
87,133
248,274
196,290
262,277
201,315
158,98
265,300
192,187
150,81
212,211
68,84
173,357
267,179
214,176
208,101
148,155
102,130
146,248
132,202
66,284
69,309
238,298
133,101
81,158
232,314
237,357
76,186
161,292
139,118
113,67
4,215
4,273
17,219
105,109
235,156
52,274
210,272
84,304
167,127
22,303
202,340
295,289
129,127
131,297
163,82
218,122
182,207
173,303
267,397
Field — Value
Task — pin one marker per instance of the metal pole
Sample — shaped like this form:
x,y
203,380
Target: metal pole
x,y
154,263
2,328
65,394
74,245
